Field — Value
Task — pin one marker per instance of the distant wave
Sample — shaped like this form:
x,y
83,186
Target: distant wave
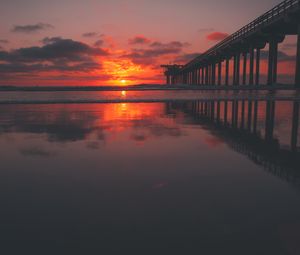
x,y
141,100
144,88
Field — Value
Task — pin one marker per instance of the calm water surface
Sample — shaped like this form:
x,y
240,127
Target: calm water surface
x,y
192,177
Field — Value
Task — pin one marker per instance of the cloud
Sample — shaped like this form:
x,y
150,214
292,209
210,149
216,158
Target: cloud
x,y
282,56
54,49
90,34
31,28
288,46
98,43
154,51
139,39
216,36
57,54
48,40
185,58
173,44
4,41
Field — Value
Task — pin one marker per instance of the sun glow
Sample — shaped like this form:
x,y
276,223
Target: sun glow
x,y
123,93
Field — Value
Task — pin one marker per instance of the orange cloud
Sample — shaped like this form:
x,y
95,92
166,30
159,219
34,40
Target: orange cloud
x,y
216,36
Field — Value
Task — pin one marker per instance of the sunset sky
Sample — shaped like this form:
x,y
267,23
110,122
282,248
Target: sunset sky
x,y
116,42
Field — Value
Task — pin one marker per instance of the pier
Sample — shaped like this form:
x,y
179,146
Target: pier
x,y
243,48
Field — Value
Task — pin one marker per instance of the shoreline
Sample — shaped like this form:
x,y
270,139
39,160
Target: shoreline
x,y
148,88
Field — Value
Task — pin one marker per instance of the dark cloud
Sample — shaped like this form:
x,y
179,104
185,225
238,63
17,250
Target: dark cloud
x,y
98,43
155,50
282,57
139,39
288,46
90,34
31,28
186,57
4,41
48,40
216,36
173,44
56,54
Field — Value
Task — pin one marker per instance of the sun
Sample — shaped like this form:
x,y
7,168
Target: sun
x,y
123,93
123,81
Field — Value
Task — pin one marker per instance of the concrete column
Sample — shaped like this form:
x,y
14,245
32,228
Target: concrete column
x,y
199,76
295,127
270,115
225,112
220,73
251,71
206,75
236,114
245,68
238,58
232,113
202,77
205,108
227,73
218,111
249,123
213,74
272,66
234,70
257,66
243,115
297,78
255,117
212,113
209,74
193,77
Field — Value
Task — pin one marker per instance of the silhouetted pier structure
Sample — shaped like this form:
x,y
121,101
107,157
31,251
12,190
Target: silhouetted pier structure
x,y
235,122
244,48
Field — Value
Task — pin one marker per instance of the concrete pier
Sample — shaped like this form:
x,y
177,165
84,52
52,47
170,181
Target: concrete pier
x,y
269,29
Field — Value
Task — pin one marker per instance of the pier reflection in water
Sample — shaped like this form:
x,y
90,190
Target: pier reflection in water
x,y
155,178
248,128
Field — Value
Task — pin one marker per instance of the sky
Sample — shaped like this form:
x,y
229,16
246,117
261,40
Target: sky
x,y
116,42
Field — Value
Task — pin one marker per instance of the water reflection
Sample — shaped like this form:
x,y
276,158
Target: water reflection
x,y
238,128
180,177
67,123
